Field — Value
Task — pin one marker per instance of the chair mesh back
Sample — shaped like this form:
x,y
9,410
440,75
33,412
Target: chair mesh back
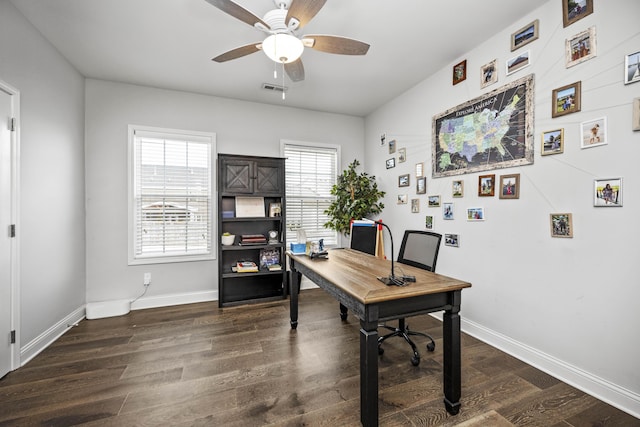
x,y
420,249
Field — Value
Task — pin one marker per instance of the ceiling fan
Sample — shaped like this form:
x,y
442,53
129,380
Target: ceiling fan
x,y
282,45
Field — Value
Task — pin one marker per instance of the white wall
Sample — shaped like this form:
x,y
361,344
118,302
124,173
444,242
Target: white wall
x,y
51,220
241,128
570,306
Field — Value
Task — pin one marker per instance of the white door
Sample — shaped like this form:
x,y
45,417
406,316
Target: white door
x,y
5,238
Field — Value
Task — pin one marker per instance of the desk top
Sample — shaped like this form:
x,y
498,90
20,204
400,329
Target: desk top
x,y
356,274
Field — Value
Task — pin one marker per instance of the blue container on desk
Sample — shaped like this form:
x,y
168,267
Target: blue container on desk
x,y
298,248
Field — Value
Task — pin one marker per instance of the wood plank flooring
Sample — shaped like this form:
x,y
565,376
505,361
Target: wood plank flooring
x,y
197,365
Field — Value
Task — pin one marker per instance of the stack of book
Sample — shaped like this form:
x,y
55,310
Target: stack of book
x,y
253,239
274,267
245,267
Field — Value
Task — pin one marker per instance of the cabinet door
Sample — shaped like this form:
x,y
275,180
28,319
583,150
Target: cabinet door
x,y
268,177
237,176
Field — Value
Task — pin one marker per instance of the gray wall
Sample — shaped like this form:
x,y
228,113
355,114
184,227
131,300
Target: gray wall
x,y
51,229
240,127
570,306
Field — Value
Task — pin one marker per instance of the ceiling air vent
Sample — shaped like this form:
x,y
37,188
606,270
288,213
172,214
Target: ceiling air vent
x,y
274,88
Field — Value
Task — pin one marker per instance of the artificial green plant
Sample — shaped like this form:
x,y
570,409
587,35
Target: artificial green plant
x,y
357,197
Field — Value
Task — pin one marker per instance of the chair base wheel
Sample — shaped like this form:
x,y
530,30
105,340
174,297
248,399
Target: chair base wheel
x,y
415,360
431,346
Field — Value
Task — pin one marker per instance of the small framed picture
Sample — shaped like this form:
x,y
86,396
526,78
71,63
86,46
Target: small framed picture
x,y
593,133
457,188
486,185
573,11
524,35
475,214
566,99
447,210
632,68
519,62
607,192
460,72
510,186
488,74
561,225
421,185
636,115
402,155
433,201
552,142
391,163
419,169
452,240
275,209
392,146
415,205
402,199
403,180
428,222
580,47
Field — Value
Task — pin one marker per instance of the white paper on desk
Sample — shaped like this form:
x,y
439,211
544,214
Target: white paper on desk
x,y
249,207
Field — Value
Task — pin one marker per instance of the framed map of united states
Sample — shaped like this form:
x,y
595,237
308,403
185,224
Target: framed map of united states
x,y
489,132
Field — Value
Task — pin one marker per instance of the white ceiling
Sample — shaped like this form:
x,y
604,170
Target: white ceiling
x,y
170,43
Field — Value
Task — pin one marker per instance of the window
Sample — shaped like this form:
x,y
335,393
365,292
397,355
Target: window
x,y
170,182
311,172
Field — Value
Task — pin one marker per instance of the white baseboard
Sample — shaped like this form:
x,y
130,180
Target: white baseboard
x,y
45,339
307,284
174,299
623,399
102,309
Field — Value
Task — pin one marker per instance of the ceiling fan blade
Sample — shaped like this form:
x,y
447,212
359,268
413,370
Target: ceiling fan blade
x,y
335,44
304,10
295,70
238,12
238,52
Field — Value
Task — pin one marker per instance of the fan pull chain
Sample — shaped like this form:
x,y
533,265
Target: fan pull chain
x,y
283,88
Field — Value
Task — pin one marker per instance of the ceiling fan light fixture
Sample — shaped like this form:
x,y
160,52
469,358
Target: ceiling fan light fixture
x,y
282,48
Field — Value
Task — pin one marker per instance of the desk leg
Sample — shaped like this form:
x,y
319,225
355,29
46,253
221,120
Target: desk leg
x,y
369,373
343,312
293,297
452,355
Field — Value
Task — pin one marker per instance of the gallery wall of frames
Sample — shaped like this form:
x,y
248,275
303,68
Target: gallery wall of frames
x,y
495,131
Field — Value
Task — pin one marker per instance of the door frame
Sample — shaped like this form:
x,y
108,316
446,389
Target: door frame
x,y
15,216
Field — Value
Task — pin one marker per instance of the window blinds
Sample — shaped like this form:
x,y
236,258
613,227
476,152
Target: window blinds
x,y
310,174
171,194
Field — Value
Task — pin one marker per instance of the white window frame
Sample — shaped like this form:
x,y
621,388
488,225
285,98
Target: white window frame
x,y
179,134
291,235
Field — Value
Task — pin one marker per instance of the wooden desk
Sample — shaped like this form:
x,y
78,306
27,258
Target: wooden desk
x,y
350,276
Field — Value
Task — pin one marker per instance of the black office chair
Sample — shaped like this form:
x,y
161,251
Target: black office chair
x,y
419,249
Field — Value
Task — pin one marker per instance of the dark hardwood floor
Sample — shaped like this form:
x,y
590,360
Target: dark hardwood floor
x,y
197,365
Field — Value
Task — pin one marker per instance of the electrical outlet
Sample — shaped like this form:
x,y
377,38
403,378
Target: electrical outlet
x,y
147,279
